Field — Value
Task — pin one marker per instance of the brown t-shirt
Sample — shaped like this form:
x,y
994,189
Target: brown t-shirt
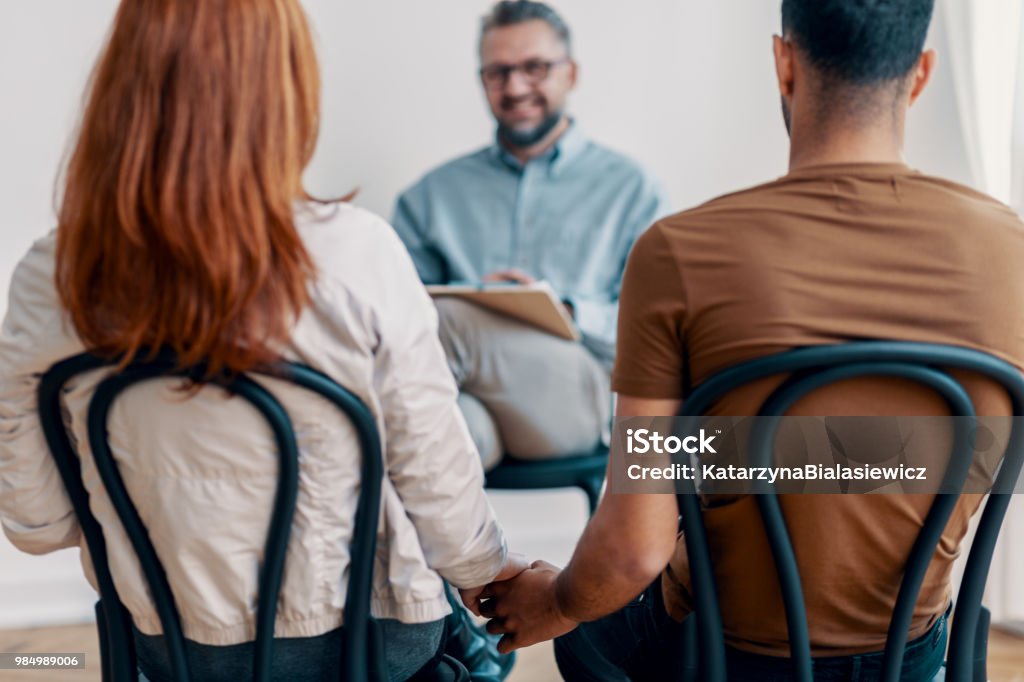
x,y
824,255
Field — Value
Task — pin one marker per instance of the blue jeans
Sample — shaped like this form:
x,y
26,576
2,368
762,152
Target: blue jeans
x,y
407,648
641,642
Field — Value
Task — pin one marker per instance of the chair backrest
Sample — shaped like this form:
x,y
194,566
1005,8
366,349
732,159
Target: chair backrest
x,y
360,654
809,369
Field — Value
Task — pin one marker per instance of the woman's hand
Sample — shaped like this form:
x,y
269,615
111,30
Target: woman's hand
x,y
515,564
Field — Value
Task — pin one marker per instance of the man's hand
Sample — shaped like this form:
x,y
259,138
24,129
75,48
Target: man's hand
x,y
515,564
525,610
510,275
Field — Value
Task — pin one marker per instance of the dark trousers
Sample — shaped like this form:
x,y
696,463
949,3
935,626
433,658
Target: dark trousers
x,y
641,642
407,649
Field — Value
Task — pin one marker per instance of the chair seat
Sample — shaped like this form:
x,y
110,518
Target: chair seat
x,y
575,471
563,472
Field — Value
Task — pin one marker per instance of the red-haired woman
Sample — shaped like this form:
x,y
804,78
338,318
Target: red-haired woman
x,y
184,224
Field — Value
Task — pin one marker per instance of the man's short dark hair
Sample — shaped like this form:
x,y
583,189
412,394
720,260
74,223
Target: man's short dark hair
x,y
859,42
511,12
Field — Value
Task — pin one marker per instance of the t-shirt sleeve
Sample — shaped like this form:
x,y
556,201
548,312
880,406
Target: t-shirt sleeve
x,y
650,361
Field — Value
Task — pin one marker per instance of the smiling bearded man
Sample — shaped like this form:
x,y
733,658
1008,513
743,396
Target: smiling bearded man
x,y
542,202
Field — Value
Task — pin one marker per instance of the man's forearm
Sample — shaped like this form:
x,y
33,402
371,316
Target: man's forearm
x,y
609,568
581,601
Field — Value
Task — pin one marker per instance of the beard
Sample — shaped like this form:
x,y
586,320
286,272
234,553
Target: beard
x,y
527,138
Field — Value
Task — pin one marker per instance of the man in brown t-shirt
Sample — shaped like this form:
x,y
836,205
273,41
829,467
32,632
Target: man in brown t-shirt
x,y
851,244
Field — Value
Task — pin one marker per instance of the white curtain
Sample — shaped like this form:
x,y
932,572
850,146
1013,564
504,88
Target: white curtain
x,y
988,66
957,18
1017,141
1005,585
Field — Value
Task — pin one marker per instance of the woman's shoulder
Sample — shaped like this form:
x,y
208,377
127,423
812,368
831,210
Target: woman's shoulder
x,y
36,331
339,230
338,219
357,250
33,277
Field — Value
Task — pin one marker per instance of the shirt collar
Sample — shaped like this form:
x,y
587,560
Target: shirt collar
x,y
566,148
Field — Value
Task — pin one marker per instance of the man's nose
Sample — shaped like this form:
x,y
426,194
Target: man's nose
x,y
517,84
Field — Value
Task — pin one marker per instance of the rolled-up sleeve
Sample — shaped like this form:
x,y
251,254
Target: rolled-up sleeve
x,y
34,508
410,222
597,314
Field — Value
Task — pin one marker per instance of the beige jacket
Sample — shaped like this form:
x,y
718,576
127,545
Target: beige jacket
x,y
202,471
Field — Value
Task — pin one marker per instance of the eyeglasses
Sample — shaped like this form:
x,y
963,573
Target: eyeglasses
x,y
534,71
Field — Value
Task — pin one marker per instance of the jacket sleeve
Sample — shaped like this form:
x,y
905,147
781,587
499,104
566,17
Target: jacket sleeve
x,y
431,458
35,511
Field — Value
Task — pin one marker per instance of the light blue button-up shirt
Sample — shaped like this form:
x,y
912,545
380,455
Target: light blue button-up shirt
x,y
569,217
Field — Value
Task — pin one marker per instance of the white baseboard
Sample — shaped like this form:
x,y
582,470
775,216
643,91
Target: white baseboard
x,y
42,590
54,601
1013,627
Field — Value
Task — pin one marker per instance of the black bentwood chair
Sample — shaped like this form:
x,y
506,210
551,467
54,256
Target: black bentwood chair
x,y
362,657
810,369
585,472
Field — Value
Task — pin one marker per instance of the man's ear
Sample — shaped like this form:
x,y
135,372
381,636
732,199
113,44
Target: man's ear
x,y
922,74
573,73
784,67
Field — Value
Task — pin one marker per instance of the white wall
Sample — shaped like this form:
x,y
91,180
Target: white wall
x,y
685,87
45,54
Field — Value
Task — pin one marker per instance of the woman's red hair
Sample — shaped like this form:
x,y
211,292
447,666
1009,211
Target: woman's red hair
x,y
176,227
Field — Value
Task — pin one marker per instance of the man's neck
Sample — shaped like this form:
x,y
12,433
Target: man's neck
x,y
821,145
524,154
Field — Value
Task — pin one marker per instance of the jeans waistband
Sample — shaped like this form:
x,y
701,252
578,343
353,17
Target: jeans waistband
x,y
922,659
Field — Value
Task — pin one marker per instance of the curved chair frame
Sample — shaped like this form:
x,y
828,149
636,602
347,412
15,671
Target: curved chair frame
x,y
810,369
361,645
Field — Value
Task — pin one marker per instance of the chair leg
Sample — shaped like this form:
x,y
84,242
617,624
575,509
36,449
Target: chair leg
x,y
981,645
591,486
106,673
690,651
117,644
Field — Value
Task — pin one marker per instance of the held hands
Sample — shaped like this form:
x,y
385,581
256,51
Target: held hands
x,y
525,609
515,564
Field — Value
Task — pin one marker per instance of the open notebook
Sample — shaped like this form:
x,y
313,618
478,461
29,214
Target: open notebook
x,y
535,304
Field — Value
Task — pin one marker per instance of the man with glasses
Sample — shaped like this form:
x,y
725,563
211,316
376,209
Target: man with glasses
x,y
541,203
